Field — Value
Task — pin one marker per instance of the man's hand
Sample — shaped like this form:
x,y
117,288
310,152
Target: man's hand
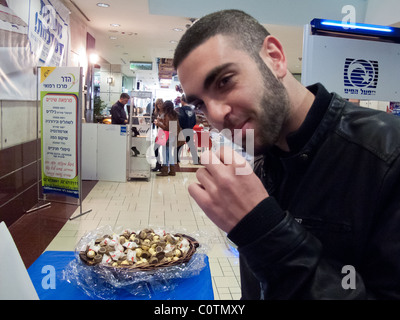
x,y
228,189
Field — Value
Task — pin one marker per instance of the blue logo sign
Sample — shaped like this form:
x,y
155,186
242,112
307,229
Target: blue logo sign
x,y
360,76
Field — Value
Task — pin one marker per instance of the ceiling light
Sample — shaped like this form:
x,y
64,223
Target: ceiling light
x,y
103,5
177,29
115,25
94,58
113,38
173,41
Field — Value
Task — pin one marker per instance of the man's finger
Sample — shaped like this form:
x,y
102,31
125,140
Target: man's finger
x,y
199,194
229,156
211,162
205,179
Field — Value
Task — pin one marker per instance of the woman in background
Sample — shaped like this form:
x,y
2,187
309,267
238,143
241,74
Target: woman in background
x,y
168,121
156,112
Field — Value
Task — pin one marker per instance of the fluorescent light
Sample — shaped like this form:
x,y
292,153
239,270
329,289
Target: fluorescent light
x,y
356,30
115,25
356,26
103,5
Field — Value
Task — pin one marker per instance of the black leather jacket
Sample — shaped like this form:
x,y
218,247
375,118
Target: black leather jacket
x,y
331,226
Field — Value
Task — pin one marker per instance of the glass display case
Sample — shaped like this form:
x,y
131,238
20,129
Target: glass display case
x,y
139,135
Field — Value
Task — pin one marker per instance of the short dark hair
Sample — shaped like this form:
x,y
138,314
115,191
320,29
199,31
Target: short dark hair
x,y
124,96
247,32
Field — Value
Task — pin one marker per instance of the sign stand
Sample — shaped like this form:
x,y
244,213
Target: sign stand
x,y
79,150
38,152
60,93
80,157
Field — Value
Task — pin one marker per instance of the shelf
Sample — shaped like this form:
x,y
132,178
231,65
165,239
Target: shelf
x,y
138,175
138,165
139,156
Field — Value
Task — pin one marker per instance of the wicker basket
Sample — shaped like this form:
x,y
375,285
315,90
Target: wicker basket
x,y
162,263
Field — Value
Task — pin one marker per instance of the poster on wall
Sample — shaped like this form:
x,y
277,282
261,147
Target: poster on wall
x,y
59,100
32,33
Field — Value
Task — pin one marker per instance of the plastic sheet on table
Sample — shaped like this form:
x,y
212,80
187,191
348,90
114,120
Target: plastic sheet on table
x,y
109,283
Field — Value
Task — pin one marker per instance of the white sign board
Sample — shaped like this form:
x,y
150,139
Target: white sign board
x,y
353,68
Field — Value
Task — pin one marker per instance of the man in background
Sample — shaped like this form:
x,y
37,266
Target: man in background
x,y
187,120
118,114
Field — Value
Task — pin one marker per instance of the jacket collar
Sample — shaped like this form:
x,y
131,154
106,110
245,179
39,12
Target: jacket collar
x,y
298,139
304,143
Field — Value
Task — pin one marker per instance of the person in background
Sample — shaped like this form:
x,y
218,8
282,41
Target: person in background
x,y
177,101
168,121
187,120
319,217
149,108
156,112
118,114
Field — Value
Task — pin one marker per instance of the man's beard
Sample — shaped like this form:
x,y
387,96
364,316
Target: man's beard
x,y
274,111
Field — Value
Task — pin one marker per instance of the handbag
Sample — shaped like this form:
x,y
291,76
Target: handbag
x,y
162,137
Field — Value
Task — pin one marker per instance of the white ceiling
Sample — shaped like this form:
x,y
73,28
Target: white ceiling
x,y
146,28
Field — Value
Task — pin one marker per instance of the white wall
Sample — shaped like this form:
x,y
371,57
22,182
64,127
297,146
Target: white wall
x,y
166,94
18,122
386,12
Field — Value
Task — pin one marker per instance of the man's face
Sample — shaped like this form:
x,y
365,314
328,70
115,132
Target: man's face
x,y
227,85
124,100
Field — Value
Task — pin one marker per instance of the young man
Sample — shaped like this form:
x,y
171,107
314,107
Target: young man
x,y
187,120
320,216
118,114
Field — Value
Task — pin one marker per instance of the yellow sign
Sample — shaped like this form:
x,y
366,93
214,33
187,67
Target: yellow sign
x,y
45,72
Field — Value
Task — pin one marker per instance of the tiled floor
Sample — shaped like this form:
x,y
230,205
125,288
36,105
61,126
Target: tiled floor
x,y
162,201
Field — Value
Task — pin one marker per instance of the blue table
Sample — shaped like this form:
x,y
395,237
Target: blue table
x,y
198,287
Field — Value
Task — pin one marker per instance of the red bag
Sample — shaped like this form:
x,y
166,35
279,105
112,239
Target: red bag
x,y
162,137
